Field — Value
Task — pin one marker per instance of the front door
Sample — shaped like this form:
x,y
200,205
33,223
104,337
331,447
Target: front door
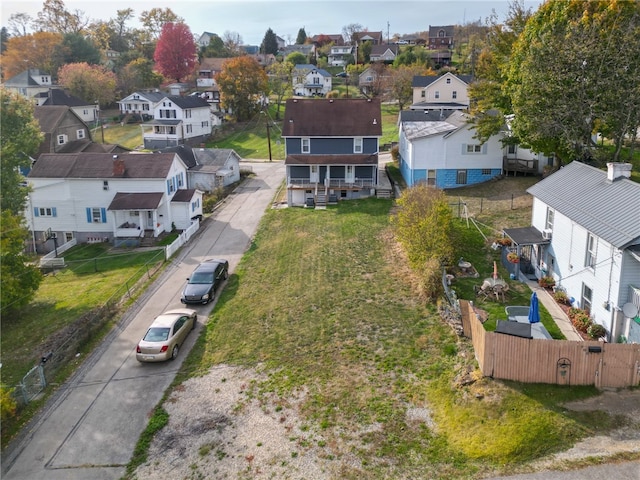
x,y
313,176
350,176
150,220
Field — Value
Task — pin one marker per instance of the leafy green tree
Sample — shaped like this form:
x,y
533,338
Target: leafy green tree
x,y
76,48
302,37
243,85
400,80
89,82
176,53
19,140
572,72
215,49
269,43
413,55
489,96
297,58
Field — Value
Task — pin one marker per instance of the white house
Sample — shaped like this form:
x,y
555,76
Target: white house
x,y
140,103
87,112
340,55
309,81
96,197
29,83
588,239
437,147
205,39
446,91
178,120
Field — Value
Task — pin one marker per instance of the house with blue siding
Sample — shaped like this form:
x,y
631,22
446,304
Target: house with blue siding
x,y
103,197
438,147
585,234
331,148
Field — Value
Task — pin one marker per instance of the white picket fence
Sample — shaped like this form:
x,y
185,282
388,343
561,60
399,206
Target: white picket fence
x,y
182,239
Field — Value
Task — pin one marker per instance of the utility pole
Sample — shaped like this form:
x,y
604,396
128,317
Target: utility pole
x,y
268,137
388,33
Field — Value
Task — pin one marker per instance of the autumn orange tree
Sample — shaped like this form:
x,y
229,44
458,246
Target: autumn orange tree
x,y
31,51
92,83
176,52
243,85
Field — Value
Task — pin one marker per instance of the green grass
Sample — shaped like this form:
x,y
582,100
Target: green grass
x,y
319,303
129,136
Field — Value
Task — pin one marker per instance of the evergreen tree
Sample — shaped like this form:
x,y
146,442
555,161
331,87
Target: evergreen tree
x,y
269,43
302,37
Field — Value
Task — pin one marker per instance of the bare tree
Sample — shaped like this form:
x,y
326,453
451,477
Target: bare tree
x,y
232,42
349,30
19,24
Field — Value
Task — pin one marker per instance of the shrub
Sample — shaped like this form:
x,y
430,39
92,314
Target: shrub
x,y
596,331
395,153
581,320
547,282
561,297
8,404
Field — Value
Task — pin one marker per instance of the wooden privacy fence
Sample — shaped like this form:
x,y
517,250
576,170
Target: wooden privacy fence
x,y
561,362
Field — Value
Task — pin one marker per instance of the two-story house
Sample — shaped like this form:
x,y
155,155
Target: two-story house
x,y
374,38
448,91
310,81
88,112
331,149
29,83
441,37
140,103
178,120
101,197
205,39
585,233
438,148
340,55
383,53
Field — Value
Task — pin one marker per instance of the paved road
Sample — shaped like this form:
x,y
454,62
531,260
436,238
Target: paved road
x,y
89,429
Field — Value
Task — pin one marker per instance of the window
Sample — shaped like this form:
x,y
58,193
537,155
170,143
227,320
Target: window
x,y
105,185
62,139
306,145
436,94
44,212
486,171
168,114
474,148
590,255
187,114
205,124
449,81
461,177
80,134
511,149
189,128
145,106
357,145
431,177
548,223
587,296
454,94
423,94
96,215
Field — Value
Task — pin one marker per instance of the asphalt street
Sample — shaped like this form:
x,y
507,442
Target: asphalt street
x,y
89,429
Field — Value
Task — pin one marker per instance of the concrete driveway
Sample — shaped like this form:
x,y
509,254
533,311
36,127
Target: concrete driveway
x,y
90,427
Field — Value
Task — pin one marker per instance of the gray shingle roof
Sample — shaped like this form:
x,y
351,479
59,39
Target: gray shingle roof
x,y
100,165
424,80
609,210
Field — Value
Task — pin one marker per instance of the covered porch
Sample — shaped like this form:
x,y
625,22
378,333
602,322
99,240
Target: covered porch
x,y
137,215
529,245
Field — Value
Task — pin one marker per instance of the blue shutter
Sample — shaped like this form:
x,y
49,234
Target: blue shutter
x,y
36,212
88,214
103,214
54,212
168,187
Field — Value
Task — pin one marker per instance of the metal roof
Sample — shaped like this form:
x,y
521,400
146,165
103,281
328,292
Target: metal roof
x,y
608,209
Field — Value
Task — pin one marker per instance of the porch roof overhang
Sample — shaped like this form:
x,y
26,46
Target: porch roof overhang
x,y
526,236
136,201
635,252
332,160
163,122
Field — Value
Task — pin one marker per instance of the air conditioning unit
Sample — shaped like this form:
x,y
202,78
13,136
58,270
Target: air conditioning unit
x,y
546,233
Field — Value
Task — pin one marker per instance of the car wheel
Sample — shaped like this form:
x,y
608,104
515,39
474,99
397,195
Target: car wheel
x,y
174,352
226,274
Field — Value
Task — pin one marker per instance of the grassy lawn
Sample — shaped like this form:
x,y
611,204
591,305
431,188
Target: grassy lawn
x,y
321,302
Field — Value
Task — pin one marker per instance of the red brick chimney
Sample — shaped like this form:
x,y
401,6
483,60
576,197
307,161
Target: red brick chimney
x,y
118,166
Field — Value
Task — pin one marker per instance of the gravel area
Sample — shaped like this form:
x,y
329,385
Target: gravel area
x,y
219,427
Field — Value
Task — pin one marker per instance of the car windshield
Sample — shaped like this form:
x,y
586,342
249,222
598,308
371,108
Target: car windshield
x,y
156,334
201,277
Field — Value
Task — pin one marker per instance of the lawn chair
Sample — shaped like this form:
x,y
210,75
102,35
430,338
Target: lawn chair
x,y
499,291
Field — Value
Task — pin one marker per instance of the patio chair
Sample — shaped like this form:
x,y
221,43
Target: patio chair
x,y
499,291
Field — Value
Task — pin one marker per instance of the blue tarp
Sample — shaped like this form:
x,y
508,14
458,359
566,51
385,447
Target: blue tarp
x,y
534,309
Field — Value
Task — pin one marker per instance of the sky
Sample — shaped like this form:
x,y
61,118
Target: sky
x,y
251,19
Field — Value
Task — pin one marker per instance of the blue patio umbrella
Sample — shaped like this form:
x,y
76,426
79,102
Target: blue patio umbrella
x,y
534,309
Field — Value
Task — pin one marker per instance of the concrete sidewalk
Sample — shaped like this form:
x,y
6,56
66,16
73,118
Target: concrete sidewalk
x,y
554,309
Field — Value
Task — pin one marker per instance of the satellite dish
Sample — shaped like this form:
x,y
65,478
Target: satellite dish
x,y
630,310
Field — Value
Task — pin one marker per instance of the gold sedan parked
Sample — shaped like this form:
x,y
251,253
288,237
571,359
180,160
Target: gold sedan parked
x,y
166,335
